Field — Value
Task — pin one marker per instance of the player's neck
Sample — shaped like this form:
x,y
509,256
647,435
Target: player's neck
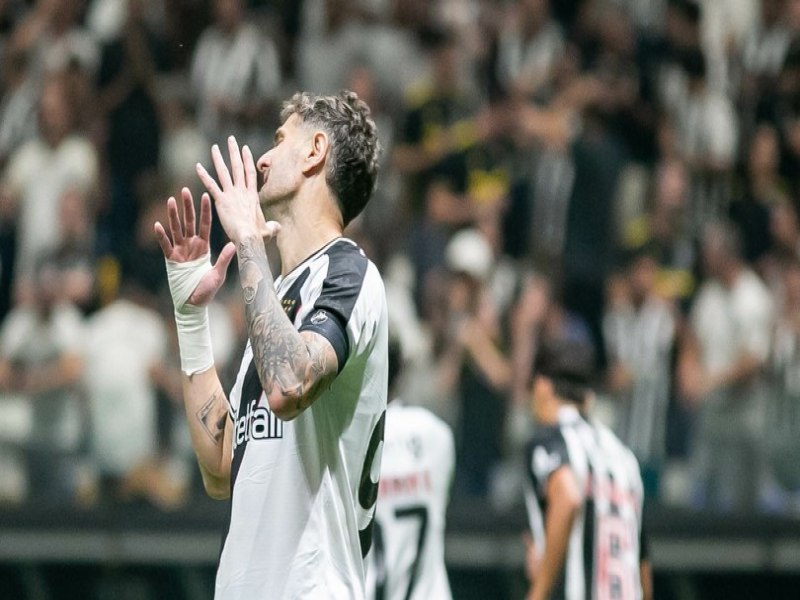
x,y
306,227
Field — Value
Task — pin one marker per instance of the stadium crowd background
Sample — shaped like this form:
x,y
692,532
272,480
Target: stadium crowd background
x,y
618,171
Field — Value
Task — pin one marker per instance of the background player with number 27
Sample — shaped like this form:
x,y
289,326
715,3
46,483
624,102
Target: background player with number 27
x,y
296,444
407,557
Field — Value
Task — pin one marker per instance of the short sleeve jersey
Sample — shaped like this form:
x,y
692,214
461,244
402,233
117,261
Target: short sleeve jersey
x,y
603,550
303,492
407,557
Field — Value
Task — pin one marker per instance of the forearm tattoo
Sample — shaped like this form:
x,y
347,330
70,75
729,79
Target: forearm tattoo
x,y
286,364
212,416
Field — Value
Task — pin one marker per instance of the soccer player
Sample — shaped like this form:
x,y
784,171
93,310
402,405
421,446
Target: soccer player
x,y
584,495
296,445
407,557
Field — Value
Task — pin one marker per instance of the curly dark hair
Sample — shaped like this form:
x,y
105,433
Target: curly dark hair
x,y
353,164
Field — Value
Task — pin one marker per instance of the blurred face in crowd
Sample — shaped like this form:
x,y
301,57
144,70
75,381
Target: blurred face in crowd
x,y
462,293
65,13
48,287
764,150
717,251
445,65
55,113
771,10
792,285
672,185
72,210
534,13
792,8
280,166
642,277
784,227
362,83
228,13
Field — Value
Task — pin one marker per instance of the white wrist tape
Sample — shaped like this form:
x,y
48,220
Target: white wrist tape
x,y
194,335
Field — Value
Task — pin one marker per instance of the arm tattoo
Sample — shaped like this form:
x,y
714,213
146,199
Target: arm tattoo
x,y
212,416
284,361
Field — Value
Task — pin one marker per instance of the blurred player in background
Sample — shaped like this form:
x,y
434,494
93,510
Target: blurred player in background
x,y
407,557
584,494
296,445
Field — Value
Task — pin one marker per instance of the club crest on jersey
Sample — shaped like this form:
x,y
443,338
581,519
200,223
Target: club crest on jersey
x,y
258,423
319,317
288,304
544,462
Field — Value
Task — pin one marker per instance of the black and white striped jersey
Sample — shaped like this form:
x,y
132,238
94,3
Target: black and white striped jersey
x,y
303,492
602,560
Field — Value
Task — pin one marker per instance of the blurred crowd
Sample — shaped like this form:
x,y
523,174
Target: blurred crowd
x,y
618,172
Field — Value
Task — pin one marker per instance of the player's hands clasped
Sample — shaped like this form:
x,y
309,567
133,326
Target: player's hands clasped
x,y
236,194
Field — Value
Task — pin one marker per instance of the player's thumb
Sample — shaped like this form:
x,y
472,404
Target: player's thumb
x,y
270,229
224,259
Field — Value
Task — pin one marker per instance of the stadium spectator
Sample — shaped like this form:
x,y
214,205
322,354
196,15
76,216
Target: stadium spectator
x,y
722,366
40,358
235,74
783,411
124,343
127,96
473,365
52,37
639,331
74,256
765,188
18,106
529,49
40,171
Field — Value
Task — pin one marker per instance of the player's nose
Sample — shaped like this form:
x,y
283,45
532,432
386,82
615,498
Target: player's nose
x,y
263,162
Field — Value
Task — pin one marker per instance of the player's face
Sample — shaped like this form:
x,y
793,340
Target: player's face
x,y
280,167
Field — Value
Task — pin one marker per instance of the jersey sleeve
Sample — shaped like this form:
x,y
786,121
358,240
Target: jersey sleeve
x,y
547,452
334,307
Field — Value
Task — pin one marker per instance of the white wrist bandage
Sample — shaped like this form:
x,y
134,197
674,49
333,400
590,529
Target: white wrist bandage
x,y
194,335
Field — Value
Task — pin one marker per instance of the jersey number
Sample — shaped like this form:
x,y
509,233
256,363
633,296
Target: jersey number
x,y
615,576
368,489
408,512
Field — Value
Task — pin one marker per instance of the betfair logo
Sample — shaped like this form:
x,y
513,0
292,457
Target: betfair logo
x,y
258,423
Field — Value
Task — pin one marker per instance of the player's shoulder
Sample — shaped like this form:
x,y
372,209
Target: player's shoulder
x,y
347,259
546,453
613,444
418,417
547,436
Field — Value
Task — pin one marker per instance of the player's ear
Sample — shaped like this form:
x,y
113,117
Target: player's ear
x,y
317,151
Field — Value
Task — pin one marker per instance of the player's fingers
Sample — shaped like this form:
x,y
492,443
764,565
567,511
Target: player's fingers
x,y
237,168
250,172
163,239
223,175
205,217
208,181
188,212
224,259
174,221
